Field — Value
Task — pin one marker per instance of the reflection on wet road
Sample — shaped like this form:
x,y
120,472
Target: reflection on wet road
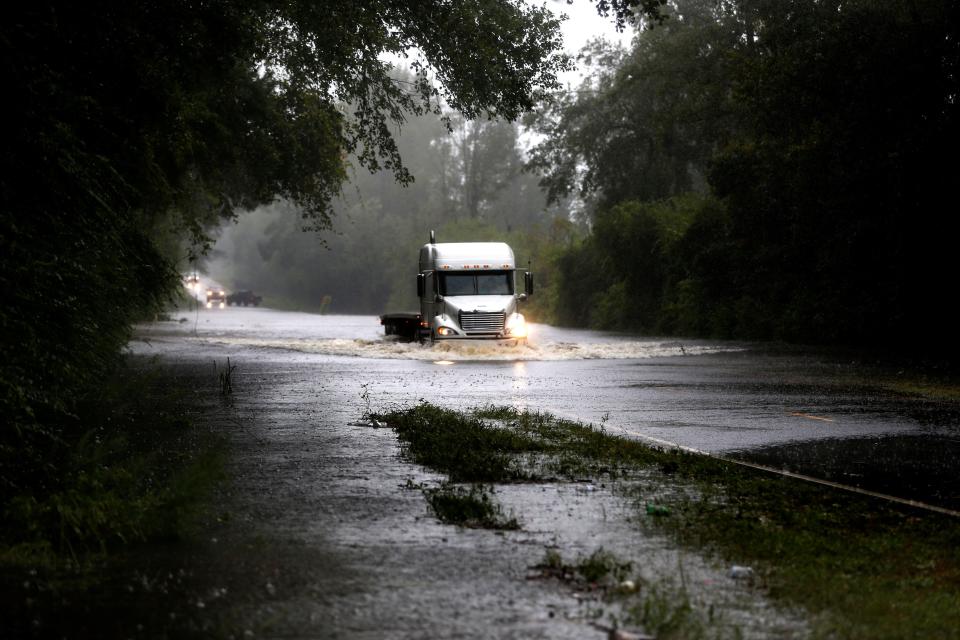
x,y
810,412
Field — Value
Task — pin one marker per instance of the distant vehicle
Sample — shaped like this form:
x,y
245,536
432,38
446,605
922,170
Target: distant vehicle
x,y
216,298
192,282
244,298
467,292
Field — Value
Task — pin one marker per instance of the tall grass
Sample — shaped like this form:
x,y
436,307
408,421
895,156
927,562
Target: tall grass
x,y
136,470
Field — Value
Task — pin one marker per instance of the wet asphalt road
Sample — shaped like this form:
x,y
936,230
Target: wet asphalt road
x,y
810,412
322,529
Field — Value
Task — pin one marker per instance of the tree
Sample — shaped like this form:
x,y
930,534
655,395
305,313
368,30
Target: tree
x,y
840,179
368,263
826,132
126,119
485,176
644,125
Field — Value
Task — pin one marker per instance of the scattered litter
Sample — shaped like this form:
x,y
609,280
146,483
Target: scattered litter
x,y
741,573
657,510
628,585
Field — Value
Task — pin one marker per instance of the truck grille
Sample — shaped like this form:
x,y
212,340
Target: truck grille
x,y
479,322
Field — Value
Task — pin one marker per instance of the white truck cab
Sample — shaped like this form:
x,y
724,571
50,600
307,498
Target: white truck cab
x,y
467,291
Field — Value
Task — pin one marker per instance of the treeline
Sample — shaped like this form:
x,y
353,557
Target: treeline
x,y
131,129
469,185
767,169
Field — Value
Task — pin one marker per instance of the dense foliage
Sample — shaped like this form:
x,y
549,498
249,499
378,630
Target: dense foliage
x,y
133,125
819,139
470,186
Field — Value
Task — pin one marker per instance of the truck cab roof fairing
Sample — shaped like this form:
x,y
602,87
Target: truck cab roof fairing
x,y
468,255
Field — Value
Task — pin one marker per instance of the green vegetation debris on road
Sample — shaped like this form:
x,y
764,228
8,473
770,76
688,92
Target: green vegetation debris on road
x,y
861,567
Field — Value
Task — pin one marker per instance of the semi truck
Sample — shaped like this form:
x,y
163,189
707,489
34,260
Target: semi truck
x,y
467,291
244,298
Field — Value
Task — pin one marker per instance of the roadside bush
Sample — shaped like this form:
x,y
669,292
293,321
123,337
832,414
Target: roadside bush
x,y
131,468
622,277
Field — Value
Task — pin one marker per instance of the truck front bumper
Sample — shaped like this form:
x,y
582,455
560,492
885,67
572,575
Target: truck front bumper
x,y
505,340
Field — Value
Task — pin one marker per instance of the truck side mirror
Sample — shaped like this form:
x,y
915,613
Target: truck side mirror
x,y
421,284
528,283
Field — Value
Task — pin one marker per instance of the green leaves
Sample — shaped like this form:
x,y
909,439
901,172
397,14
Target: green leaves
x,y
133,128
822,127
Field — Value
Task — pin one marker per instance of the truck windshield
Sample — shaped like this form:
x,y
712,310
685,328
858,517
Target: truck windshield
x,y
490,283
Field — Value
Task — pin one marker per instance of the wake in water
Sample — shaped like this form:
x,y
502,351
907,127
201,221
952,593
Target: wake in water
x,y
468,351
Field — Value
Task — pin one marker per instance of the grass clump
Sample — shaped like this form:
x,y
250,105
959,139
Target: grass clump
x,y
471,506
863,568
602,564
601,569
470,448
225,377
668,614
463,446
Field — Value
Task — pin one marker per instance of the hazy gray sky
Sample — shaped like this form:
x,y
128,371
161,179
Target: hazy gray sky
x,y
583,25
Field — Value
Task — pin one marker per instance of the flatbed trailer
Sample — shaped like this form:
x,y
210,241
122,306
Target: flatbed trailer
x,y
404,325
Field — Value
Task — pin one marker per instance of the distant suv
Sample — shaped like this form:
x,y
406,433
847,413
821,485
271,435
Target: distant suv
x,y
216,298
245,298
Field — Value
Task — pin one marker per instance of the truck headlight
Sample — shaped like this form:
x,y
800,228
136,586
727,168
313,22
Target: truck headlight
x,y
446,331
517,326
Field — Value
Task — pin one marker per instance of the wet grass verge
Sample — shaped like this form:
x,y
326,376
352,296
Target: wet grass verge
x,y
131,469
862,567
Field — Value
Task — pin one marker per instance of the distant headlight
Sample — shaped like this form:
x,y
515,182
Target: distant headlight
x,y
209,305
517,326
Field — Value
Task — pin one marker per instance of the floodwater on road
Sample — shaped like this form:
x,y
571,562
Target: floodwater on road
x,y
326,532
810,412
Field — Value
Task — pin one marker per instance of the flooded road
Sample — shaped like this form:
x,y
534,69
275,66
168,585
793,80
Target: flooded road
x,y
323,529
808,412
